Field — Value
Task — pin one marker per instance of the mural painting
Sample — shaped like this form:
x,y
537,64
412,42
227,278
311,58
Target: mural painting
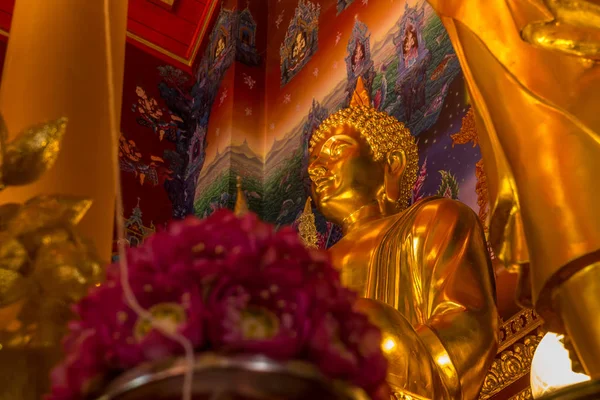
x,y
131,161
359,62
413,58
189,102
301,40
232,39
165,120
234,127
149,132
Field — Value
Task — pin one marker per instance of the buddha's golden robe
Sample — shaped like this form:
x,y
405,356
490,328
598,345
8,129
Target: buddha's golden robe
x,y
431,265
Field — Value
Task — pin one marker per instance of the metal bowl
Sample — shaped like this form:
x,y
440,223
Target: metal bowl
x,y
218,377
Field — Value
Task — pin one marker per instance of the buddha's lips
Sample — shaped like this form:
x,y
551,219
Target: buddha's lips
x,y
321,183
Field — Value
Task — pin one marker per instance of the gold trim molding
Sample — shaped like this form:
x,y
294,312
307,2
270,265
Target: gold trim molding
x,y
518,326
525,394
189,61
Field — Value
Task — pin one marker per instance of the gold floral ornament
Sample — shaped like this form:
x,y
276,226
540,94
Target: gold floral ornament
x,y
44,264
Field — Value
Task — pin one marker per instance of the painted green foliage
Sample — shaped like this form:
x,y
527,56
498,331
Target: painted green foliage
x,y
449,186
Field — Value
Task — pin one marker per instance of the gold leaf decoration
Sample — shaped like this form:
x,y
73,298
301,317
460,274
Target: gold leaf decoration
x,y
46,211
31,153
467,135
44,265
13,254
468,130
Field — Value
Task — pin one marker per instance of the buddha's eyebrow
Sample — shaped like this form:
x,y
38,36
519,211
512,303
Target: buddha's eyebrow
x,y
343,139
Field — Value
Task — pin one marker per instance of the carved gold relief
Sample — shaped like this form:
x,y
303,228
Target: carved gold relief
x,y
510,365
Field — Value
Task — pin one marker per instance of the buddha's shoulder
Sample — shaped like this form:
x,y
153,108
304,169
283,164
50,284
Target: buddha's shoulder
x,y
436,208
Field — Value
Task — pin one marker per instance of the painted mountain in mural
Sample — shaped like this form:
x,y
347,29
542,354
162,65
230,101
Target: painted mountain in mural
x,y
283,149
237,158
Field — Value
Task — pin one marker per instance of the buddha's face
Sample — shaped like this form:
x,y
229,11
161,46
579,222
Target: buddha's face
x,y
343,174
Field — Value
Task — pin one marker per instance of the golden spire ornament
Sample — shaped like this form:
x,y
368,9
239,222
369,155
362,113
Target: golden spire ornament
x,y
241,206
360,97
307,228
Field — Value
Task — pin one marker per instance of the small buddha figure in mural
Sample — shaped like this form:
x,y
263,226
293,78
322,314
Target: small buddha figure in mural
x,y
299,48
411,46
220,46
424,270
358,56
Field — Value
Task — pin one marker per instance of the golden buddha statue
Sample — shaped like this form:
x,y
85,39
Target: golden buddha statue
x,y
533,76
424,269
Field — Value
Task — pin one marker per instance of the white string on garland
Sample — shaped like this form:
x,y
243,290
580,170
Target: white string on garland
x,y
124,271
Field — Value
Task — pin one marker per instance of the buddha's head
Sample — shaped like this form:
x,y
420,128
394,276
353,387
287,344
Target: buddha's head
x,y
361,157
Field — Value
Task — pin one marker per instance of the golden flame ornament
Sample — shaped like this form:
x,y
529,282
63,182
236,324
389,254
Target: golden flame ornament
x,y
306,226
360,97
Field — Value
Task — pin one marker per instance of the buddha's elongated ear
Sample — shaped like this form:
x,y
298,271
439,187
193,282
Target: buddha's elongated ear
x,y
360,98
395,164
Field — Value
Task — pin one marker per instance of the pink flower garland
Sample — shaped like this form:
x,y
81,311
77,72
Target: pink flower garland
x,y
229,285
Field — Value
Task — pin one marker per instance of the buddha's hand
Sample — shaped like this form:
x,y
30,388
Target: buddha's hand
x,y
574,28
44,267
410,367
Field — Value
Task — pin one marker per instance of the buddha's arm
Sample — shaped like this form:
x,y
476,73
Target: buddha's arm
x,y
461,324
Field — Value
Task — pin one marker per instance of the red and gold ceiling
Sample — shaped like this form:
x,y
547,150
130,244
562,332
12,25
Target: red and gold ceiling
x,y
170,29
